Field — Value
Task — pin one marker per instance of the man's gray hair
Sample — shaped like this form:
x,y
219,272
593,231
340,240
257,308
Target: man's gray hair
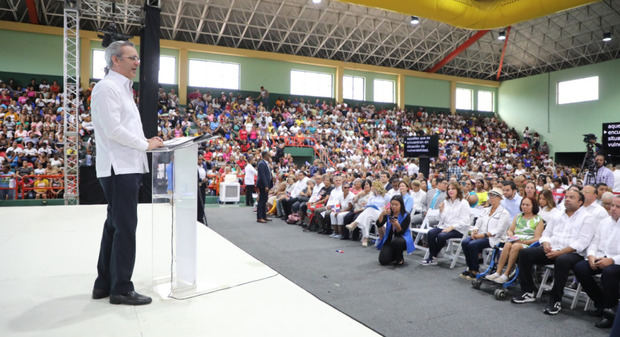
x,y
114,49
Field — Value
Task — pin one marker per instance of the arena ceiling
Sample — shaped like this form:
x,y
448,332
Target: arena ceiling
x,y
341,31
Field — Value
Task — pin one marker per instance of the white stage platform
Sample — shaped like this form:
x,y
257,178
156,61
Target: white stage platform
x,y
48,265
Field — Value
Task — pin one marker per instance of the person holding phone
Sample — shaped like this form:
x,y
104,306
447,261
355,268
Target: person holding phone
x,y
397,236
526,228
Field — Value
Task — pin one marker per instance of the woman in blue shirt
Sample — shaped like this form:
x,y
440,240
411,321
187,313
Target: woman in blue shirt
x,y
397,237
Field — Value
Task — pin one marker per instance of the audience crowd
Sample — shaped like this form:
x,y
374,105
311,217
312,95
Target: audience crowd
x,y
489,186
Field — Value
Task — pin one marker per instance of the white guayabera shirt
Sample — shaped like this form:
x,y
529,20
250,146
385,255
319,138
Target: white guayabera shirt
x,y
121,143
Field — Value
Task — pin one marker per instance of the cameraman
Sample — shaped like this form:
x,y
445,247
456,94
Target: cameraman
x,y
603,174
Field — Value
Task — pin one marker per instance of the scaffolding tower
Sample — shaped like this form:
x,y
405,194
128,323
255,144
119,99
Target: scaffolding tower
x,y
103,12
71,101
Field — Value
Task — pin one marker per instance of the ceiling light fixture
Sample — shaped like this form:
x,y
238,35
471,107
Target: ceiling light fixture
x,y
502,35
415,20
607,37
316,1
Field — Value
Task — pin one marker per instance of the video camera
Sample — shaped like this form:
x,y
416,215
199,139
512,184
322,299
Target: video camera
x,y
587,138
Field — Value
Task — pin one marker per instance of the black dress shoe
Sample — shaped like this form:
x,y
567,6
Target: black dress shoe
x,y
604,323
100,293
130,298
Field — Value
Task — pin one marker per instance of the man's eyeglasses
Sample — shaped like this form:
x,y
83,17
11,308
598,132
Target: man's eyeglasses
x,y
133,58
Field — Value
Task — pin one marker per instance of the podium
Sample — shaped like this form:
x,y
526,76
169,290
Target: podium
x,y
174,172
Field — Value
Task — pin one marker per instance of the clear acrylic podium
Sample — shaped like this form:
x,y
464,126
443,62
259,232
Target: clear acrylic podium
x,y
174,228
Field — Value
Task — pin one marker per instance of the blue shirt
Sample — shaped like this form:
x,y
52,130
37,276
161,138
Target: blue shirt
x,y
512,205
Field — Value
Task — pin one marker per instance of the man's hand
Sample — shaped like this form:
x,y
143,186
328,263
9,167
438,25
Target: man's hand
x,y
592,262
154,143
553,254
547,247
604,262
449,229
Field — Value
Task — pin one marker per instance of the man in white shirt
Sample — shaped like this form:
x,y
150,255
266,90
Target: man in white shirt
x,y
334,198
597,211
603,257
121,161
248,180
343,206
419,198
298,187
563,244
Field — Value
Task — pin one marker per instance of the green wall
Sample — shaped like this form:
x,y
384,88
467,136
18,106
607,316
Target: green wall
x,y
369,80
30,53
273,75
531,101
427,92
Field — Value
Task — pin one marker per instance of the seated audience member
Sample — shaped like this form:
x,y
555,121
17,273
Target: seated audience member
x,y
419,198
403,190
603,257
591,206
489,230
526,228
300,185
482,193
512,200
371,212
548,212
343,207
469,193
563,244
359,204
331,205
434,198
607,200
397,236
453,222
317,207
40,187
558,191
304,197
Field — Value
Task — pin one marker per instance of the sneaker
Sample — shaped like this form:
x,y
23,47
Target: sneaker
x,y
501,279
332,235
429,262
524,298
465,275
492,277
553,308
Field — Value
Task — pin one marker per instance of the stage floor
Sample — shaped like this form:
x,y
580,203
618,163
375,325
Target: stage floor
x,y
48,264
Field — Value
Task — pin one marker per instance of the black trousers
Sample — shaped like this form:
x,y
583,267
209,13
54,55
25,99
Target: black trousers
x,y
604,298
562,265
249,198
261,208
392,251
437,239
117,254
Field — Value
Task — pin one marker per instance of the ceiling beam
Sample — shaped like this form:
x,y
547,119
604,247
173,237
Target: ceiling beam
x,y
290,29
314,25
203,17
363,42
219,36
501,60
458,50
245,29
32,12
177,19
275,16
329,35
